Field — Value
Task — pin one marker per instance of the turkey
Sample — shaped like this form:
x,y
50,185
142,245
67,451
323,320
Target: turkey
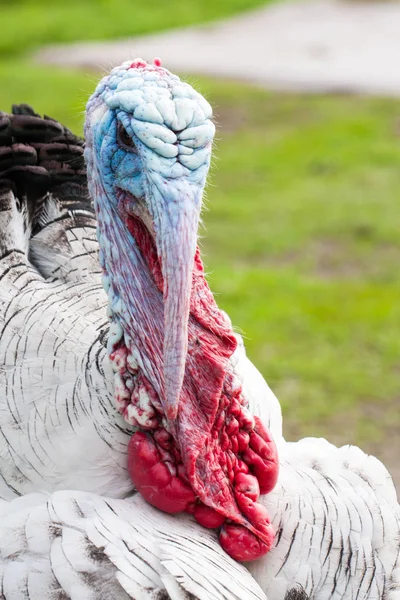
x,y
157,396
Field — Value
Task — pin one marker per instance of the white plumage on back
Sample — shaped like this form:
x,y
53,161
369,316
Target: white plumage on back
x,y
80,545
59,425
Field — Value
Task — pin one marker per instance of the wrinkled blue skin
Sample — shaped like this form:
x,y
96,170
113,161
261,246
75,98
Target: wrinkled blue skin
x,y
161,179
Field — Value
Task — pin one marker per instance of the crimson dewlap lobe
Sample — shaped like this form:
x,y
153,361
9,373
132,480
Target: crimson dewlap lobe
x,y
198,448
221,458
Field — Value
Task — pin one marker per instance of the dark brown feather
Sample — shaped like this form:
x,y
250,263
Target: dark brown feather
x,y
39,157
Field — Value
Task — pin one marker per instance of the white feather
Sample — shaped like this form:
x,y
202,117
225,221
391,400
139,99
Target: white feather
x,y
101,548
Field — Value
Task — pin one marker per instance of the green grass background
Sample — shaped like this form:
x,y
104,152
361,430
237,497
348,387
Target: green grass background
x,y
301,238
28,23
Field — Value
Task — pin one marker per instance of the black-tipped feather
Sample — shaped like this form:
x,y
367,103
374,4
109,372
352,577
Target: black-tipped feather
x,y
40,157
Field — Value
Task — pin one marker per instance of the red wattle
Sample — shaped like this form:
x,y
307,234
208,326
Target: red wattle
x,y
262,457
247,485
208,517
216,458
153,479
241,544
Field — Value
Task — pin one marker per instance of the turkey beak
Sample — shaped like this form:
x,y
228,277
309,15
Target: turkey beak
x,y
175,209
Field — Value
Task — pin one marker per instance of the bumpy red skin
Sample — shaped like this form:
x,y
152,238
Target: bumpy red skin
x,y
153,478
241,544
216,459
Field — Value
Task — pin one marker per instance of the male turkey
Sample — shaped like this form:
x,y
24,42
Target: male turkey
x,y
160,396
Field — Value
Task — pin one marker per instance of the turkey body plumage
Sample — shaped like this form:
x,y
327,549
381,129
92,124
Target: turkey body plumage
x,y
72,525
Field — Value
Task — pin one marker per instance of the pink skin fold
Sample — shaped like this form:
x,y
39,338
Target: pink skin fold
x,y
212,459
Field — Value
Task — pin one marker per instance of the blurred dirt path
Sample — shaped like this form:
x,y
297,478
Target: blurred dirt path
x,y
317,45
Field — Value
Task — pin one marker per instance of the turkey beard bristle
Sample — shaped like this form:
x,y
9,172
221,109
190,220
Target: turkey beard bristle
x,y
216,459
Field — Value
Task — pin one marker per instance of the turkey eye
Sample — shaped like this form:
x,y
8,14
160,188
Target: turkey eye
x,y
124,139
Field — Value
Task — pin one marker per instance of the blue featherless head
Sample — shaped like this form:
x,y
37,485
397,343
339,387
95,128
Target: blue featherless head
x,y
144,125
148,150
